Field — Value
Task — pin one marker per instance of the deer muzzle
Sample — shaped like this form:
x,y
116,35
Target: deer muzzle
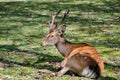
x,y
43,43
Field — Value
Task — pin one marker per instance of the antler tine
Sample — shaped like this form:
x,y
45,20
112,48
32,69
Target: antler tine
x,y
65,15
58,12
51,22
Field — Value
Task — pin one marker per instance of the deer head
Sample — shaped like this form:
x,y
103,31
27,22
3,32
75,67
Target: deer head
x,y
55,33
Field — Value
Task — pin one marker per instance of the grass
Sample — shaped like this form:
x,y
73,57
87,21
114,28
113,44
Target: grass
x,y
22,28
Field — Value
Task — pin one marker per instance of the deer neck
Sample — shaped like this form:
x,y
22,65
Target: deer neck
x,y
63,46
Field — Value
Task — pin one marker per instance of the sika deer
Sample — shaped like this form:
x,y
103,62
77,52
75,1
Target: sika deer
x,y
81,58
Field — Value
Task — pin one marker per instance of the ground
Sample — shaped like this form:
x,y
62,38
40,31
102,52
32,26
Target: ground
x,y
23,27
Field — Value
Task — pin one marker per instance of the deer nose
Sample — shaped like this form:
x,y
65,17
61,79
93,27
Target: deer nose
x,y
43,44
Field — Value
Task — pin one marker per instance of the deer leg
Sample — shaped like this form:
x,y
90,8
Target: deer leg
x,y
47,71
63,71
64,62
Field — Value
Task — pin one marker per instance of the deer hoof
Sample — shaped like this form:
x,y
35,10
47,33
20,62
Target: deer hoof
x,y
58,66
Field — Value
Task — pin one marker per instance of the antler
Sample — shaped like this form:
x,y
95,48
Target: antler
x,y
51,22
65,15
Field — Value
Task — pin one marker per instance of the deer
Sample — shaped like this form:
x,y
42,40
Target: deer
x,y
80,58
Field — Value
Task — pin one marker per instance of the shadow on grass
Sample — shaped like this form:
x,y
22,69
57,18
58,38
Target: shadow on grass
x,y
42,58
111,65
106,78
108,43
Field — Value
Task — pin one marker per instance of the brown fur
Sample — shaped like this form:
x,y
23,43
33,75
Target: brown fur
x,y
87,51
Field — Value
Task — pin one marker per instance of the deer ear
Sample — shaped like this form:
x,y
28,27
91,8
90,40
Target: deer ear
x,y
62,29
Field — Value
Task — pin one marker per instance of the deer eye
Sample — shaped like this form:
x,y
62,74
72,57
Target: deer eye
x,y
52,35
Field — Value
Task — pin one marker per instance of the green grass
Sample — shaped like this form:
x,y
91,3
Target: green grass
x,y
22,28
